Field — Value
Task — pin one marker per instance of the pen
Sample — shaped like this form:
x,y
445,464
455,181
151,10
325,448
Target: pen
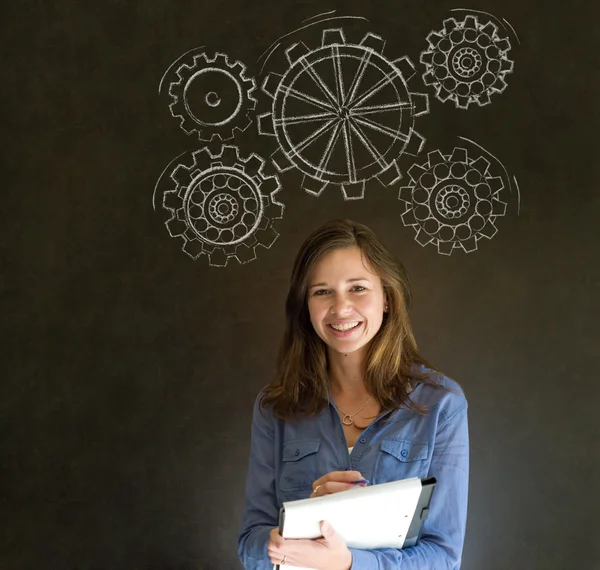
x,y
360,482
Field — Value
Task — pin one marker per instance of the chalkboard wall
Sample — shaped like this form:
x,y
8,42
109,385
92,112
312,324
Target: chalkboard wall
x,y
144,266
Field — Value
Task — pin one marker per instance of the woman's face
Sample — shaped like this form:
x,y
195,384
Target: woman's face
x,y
345,300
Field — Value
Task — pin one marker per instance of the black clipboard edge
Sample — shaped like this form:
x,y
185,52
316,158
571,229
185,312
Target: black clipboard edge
x,y
421,512
281,523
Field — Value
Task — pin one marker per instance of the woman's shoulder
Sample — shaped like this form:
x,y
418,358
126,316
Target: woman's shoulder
x,y
441,393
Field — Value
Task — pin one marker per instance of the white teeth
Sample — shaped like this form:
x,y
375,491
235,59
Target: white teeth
x,y
345,326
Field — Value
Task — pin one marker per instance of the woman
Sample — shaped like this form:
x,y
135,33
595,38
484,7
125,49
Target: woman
x,y
353,399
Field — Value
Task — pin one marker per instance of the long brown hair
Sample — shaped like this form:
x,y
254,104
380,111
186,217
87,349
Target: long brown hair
x,y
301,384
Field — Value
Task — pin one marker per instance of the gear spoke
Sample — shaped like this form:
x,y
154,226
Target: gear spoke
x,y
378,127
309,99
368,145
349,153
364,63
315,135
301,119
330,146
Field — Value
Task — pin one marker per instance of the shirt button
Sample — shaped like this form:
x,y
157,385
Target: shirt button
x,y
297,452
363,440
404,453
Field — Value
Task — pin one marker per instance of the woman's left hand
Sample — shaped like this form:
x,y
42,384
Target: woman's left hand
x,y
328,553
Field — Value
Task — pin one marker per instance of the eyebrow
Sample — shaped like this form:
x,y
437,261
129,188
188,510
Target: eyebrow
x,y
353,280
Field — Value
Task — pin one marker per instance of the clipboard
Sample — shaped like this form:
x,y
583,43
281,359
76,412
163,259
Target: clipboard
x,y
388,515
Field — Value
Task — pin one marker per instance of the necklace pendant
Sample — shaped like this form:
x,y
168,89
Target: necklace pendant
x,y
347,420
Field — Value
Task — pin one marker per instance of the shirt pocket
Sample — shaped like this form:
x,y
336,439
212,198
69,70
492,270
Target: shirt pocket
x,y
300,462
401,459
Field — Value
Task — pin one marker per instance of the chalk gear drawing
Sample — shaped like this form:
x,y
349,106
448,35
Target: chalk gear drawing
x,y
452,201
467,62
212,96
343,114
223,206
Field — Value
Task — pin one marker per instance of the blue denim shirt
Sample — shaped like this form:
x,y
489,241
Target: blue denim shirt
x,y
287,456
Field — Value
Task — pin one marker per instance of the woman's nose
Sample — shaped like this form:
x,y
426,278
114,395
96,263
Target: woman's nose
x,y
340,305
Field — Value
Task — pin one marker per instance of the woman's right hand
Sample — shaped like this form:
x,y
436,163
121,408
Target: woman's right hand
x,y
336,481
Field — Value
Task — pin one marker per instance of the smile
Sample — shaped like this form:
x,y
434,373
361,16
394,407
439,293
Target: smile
x,y
345,327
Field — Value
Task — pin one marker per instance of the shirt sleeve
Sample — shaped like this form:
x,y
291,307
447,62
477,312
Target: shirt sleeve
x,y
441,543
261,512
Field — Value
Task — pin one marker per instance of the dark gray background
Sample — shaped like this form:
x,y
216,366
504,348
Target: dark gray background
x,y
129,371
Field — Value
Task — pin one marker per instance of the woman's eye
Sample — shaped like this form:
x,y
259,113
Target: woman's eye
x,y
320,292
358,288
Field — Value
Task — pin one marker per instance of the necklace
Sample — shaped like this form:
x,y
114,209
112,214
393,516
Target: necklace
x,y
347,419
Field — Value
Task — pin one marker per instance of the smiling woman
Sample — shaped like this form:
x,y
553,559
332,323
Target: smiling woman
x,y
353,401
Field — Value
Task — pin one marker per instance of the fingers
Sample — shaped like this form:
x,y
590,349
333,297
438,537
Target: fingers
x,y
275,538
332,487
335,482
339,476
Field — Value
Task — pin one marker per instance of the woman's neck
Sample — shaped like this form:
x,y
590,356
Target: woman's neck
x,y
346,374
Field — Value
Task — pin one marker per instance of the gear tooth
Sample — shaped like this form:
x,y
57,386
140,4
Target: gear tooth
x,y
496,183
245,254
391,175
333,36
481,165
175,227
171,201
449,25
499,85
433,38
266,238
498,207
312,186
253,164
405,66
281,161
408,218
415,144
203,158
275,210
416,171
503,44
217,258
239,68
354,191
470,22
445,247
459,155
490,29
271,84
296,51
507,66
443,94
193,248
420,104
221,59
422,237
484,99
405,194
462,102
270,185
426,57
489,230
266,125
429,78
182,174
469,245
435,157
374,42
229,155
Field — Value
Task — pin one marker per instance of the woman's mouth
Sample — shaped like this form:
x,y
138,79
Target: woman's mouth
x,y
344,329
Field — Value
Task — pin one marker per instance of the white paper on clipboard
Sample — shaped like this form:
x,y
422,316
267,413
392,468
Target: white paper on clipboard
x,y
377,516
